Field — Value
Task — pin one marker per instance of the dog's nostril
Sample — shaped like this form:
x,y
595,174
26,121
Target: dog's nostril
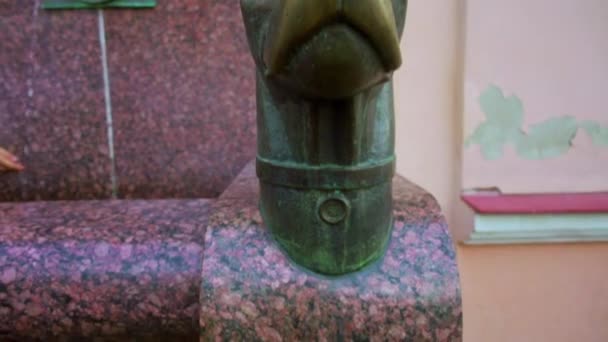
x,y
376,19
294,21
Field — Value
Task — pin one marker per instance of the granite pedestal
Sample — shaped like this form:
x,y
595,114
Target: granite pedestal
x,y
252,292
183,270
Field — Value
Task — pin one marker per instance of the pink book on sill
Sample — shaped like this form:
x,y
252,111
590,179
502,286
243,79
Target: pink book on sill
x,y
494,202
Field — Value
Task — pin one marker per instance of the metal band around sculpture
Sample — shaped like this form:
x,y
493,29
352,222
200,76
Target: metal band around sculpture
x,y
324,177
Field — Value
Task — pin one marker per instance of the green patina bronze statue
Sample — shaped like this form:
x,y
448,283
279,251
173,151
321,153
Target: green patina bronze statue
x,y
326,125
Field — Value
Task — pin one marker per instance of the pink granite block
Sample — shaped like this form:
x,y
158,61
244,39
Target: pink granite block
x,y
117,270
251,291
244,187
52,110
183,98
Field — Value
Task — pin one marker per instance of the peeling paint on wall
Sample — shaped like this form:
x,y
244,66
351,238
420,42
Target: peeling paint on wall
x,y
504,118
504,125
548,139
598,134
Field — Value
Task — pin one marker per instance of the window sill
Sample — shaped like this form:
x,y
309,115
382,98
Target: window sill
x,y
538,218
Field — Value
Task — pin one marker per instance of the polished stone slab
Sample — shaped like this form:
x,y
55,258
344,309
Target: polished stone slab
x,y
251,291
110,270
52,110
183,98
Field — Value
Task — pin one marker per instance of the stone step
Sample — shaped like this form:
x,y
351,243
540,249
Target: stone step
x,y
83,269
135,270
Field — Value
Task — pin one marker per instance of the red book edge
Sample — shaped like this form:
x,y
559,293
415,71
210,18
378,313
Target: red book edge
x,y
493,202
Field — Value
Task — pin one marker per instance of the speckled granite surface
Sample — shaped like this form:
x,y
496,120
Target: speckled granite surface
x,y
183,98
182,88
127,270
250,291
52,110
118,269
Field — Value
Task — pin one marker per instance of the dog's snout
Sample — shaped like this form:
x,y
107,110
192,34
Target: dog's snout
x,y
295,21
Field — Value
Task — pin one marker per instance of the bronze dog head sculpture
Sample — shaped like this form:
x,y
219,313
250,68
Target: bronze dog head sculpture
x,y
326,125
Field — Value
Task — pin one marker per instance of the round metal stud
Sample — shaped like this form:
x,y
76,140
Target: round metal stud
x,y
333,210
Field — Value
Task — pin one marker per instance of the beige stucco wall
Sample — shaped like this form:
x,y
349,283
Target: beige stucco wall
x,y
427,97
510,293
535,293
552,56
